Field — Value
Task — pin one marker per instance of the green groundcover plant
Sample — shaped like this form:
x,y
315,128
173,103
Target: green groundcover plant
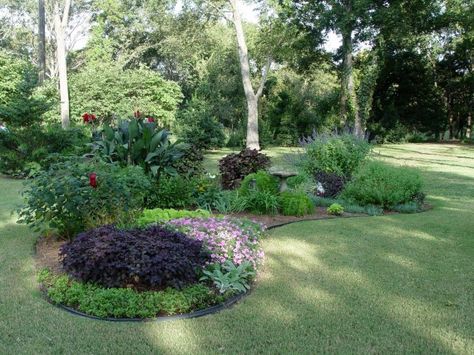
x,y
295,203
126,302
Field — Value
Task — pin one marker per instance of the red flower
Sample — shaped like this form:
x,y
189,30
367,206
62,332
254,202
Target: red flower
x,y
150,119
136,114
93,180
88,118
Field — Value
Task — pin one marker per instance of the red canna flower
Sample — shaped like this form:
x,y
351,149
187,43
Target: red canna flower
x,y
93,180
85,117
88,118
150,119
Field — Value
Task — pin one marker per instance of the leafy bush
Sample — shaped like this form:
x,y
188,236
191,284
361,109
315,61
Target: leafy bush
x,y
191,163
260,181
25,150
139,141
382,185
225,238
198,126
234,167
126,302
159,215
152,258
295,203
337,154
207,192
73,196
335,209
114,91
19,106
172,192
329,184
228,277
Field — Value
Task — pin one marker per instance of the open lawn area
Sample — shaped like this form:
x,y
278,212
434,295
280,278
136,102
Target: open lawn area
x,y
390,284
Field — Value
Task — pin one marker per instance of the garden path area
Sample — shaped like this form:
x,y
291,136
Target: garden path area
x,y
390,284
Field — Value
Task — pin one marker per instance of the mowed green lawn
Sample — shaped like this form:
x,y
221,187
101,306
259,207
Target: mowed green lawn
x,y
392,284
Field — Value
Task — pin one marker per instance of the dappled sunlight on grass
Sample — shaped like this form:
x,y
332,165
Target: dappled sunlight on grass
x,y
391,284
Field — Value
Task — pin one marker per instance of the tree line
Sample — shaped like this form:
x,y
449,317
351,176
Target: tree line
x,y
403,70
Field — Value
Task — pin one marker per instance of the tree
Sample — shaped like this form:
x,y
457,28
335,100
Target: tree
x,y
251,95
60,26
351,20
41,41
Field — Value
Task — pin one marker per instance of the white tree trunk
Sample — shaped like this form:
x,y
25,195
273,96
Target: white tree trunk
x,y
60,25
252,97
41,41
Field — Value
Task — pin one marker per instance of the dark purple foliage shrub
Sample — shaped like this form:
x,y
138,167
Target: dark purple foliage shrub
x,y
332,184
234,167
142,258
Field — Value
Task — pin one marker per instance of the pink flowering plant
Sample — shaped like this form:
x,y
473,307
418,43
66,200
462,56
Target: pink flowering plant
x,y
226,239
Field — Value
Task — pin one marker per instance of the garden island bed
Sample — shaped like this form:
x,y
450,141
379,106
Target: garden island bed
x,y
192,266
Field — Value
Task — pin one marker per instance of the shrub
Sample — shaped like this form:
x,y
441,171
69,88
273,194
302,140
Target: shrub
x,y
159,215
126,302
225,238
25,150
172,192
115,91
260,181
295,203
235,167
199,127
337,154
335,209
207,192
152,257
379,184
73,196
329,184
191,163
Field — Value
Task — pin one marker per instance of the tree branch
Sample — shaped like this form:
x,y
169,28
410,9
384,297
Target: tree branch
x,y
264,77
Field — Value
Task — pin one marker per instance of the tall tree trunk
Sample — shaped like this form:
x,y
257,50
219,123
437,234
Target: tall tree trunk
x,y
252,97
41,41
60,25
349,110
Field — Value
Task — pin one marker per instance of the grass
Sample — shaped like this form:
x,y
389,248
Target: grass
x,y
391,284
278,155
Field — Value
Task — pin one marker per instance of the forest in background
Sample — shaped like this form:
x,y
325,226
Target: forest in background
x,y
404,70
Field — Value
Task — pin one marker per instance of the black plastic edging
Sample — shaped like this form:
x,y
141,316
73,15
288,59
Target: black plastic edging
x,y
203,312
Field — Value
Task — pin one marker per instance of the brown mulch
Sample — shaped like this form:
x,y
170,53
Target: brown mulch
x,y
47,254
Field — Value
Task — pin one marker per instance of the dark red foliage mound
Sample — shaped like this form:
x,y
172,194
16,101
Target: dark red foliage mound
x,y
332,184
143,258
234,167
